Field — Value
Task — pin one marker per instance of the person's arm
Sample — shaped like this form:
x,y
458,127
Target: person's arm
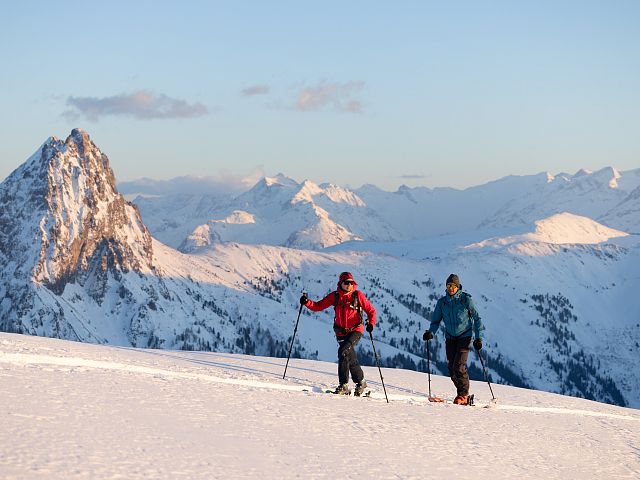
x,y
436,318
323,304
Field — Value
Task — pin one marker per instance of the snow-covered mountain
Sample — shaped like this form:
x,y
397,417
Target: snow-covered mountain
x,y
77,262
280,211
62,221
87,412
276,211
626,214
590,194
562,228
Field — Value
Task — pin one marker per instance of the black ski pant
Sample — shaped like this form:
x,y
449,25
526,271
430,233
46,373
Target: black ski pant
x,y
457,355
348,358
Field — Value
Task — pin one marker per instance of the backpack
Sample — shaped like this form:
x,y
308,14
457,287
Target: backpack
x,y
465,302
464,299
355,304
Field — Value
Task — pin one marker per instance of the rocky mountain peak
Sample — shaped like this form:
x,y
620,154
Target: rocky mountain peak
x,y
62,217
80,140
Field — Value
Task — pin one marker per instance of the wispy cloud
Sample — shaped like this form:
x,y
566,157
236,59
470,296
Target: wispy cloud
x,y
338,96
412,176
223,183
142,104
255,90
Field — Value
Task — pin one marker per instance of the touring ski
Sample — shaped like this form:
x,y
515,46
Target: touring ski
x,y
365,394
470,401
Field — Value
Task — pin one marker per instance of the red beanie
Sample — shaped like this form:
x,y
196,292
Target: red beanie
x,y
346,276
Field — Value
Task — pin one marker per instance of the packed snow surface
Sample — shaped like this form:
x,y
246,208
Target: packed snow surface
x,y
73,410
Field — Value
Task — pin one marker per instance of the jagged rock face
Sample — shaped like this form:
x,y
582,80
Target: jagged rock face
x,y
62,219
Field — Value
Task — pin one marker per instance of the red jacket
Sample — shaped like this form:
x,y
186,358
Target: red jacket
x,y
346,316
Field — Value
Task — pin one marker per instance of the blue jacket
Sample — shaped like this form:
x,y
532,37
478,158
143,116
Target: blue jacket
x,y
459,314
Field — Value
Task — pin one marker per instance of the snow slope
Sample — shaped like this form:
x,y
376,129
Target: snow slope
x,y
81,411
562,228
77,262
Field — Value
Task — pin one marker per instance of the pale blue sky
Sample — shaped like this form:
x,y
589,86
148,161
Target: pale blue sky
x,y
422,93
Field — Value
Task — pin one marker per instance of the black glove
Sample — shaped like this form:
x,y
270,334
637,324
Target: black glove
x,y
304,299
427,335
369,327
477,344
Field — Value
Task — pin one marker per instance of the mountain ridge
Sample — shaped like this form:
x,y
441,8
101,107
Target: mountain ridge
x,y
371,214
102,281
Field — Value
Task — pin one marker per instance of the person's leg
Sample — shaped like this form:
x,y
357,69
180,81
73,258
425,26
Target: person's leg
x,y
460,366
451,349
357,375
343,363
344,358
347,358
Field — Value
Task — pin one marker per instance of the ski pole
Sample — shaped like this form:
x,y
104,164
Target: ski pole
x,y
375,354
429,367
431,399
486,376
292,339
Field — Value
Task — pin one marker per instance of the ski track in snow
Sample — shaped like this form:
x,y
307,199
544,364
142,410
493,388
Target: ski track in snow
x,y
74,410
80,363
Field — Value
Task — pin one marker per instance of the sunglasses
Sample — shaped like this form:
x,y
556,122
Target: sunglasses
x,y
348,282
451,285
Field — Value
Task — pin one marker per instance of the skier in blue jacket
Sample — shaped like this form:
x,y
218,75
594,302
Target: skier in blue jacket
x,y
461,319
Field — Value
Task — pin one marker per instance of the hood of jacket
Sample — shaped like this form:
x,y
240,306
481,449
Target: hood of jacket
x,y
346,276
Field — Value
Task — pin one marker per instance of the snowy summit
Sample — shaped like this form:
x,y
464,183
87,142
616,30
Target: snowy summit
x,y
559,229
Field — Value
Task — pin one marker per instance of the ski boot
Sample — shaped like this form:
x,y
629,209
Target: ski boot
x,y
464,400
360,386
460,400
343,389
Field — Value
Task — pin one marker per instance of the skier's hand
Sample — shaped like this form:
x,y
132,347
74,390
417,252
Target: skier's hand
x,y
427,335
369,327
304,299
477,344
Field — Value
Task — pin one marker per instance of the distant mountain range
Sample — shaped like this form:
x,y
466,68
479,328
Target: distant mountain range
x,y
552,262
280,211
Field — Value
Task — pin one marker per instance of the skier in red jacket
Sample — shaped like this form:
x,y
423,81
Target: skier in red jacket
x,y
348,326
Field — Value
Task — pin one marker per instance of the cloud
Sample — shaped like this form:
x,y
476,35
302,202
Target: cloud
x,y
142,104
224,183
339,96
412,177
255,90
